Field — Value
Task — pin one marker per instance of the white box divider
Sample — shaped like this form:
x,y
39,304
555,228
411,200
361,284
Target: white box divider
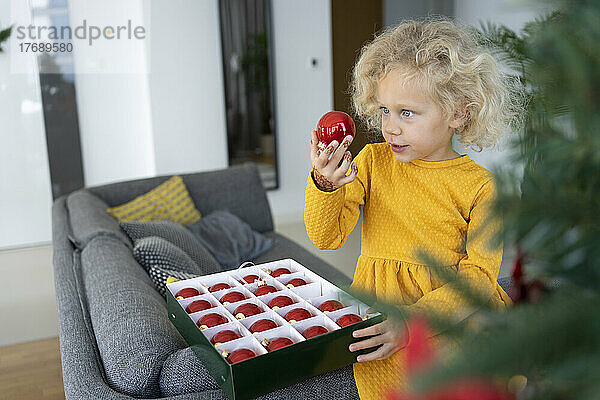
x,y
308,291
272,315
234,326
283,331
322,320
195,283
208,297
286,292
217,310
233,307
366,311
246,342
242,289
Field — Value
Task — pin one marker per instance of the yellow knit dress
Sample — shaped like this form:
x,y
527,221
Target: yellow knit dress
x,y
441,207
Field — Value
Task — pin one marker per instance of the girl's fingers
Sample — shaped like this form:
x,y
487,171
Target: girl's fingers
x,y
349,178
371,330
368,343
343,168
313,146
380,354
341,150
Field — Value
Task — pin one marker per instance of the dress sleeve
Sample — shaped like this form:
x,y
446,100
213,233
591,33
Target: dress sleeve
x,y
330,217
479,268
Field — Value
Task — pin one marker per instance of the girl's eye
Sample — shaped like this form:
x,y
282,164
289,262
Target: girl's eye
x,y
406,113
384,110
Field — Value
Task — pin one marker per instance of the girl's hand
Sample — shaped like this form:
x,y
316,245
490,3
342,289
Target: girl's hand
x,y
387,333
329,174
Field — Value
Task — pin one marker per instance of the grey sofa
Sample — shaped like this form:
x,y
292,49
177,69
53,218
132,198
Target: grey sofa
x,y
116,341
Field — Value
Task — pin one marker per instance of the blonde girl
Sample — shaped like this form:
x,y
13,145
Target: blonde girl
x,y
419,84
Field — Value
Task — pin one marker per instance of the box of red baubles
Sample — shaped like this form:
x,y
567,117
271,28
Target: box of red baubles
x,y
267,326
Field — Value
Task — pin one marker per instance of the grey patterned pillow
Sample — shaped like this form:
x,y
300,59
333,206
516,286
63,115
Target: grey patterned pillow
x,y
159,276
153,251
177,235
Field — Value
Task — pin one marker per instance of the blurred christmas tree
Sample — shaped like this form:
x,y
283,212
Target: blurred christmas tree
x,y
548,345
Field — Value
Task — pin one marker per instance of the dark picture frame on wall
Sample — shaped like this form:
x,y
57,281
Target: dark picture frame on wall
x,y
247,51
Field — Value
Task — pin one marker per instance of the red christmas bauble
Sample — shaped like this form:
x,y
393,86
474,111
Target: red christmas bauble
x,y
331,305
278,343
348,319
249,278
246,310
280,301
218,286
224,336
266,289
187,292
280,271
198,305
297,314
262,325
240,355
210,320
313,331
335,125
232,297
296,282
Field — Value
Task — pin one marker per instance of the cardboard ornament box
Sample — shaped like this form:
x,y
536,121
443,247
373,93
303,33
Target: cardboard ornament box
x,y
268,370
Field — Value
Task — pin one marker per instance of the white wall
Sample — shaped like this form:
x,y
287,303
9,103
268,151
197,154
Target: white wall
x,y
301,30
186,87
24,173
113,106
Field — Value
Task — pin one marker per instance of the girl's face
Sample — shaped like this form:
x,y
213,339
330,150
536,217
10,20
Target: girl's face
x,y
411,123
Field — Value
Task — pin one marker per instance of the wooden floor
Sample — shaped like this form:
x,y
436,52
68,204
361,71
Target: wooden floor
x,y
31,371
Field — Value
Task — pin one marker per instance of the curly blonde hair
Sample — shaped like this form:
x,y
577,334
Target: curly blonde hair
x,y
458,72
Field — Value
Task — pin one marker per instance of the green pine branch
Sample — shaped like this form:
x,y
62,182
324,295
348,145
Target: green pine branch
x,y
4,35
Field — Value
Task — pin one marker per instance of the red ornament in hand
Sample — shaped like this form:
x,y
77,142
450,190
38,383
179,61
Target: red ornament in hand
x,y
210,320
198,305
224,336
218,286
266,289
314,331
240,355
246,310
277,343
331,305
297,314
335,125
232,297
280,301
348,319
187,292
262,325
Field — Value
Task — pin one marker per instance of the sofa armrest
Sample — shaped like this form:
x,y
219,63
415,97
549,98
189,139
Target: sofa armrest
x,y
237,189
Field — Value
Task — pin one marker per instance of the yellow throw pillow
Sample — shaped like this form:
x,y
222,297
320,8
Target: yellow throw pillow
x,y
170,200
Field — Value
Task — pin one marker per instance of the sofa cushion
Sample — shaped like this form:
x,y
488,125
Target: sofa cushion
x,y
154,250
183,372
88,219
129,317
179,236
160,275
169,200
229,239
